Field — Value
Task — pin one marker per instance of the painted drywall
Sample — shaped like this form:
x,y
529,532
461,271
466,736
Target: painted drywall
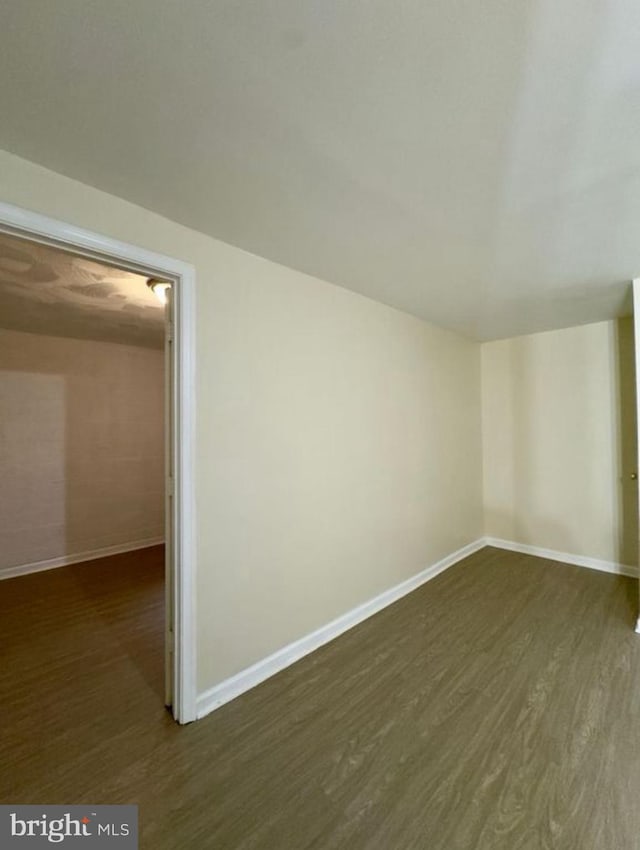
x,y
559,443
338,440
82,448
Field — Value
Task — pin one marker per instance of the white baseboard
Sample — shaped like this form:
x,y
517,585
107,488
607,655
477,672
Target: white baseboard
x,y
252,676
565,557
66,560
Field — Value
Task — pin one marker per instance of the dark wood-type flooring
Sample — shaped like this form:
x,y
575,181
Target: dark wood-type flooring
x,y
497,707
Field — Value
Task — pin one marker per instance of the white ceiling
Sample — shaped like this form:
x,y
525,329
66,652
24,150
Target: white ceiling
x,y
475,163
49,291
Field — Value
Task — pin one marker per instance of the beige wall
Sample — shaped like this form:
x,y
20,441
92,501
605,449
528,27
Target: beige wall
x,y
338,448
82,452
559,440
347,456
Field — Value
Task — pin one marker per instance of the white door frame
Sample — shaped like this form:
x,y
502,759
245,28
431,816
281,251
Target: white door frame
x,y
20,222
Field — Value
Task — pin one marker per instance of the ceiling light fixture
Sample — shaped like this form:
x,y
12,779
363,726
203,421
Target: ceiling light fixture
x,y
159,288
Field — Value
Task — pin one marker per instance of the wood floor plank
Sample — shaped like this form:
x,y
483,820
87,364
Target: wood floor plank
x,y
495,708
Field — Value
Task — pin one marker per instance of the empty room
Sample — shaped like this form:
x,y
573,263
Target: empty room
x,y
318,425
82,461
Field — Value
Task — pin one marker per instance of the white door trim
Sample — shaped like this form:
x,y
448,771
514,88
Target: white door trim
x,y
40,228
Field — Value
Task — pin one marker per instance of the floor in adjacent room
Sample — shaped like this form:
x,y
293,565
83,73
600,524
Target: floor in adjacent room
x,y
498,706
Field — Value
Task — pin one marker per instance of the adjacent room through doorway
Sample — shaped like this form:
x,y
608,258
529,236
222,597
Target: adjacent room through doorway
x,y
83,518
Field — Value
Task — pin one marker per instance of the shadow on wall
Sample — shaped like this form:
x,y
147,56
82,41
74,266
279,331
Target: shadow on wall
x,y
115,448
537,439
82,448
561,442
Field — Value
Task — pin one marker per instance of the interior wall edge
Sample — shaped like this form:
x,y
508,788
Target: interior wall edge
x,y
252,676
67,560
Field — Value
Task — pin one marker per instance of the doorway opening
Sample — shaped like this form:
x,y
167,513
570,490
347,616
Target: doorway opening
x,y
108,302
